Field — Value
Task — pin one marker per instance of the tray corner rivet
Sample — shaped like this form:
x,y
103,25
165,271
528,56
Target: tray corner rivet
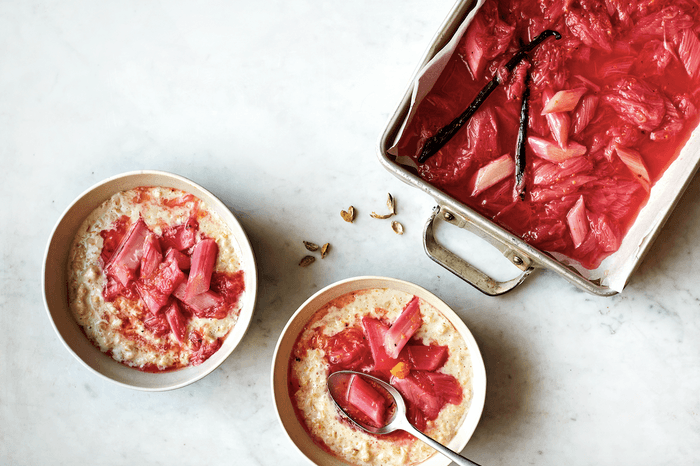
x,y
449,217
517,260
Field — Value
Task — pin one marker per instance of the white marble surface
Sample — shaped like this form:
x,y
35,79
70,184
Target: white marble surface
x,y
276,107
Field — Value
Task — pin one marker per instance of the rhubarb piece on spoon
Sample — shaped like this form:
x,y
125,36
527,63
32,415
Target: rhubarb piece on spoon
x,y
367,400
395,415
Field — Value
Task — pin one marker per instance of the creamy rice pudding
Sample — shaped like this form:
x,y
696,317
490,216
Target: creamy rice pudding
x,y
155,279
433,371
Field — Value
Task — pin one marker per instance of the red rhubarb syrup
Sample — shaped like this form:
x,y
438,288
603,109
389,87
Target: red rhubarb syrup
x,y
638,62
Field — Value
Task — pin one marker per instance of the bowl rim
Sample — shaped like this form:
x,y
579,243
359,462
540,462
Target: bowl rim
x,y
280,361
188,374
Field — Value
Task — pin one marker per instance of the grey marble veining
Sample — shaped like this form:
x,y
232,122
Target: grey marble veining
x,y
276,107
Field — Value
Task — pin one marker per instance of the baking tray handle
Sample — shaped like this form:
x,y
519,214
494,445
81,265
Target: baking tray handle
x,y
462,268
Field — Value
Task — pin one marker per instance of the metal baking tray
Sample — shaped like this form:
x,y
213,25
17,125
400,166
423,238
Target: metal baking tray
x,y
522,255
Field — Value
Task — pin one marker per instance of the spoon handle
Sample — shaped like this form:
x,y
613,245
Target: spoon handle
x,y
457,459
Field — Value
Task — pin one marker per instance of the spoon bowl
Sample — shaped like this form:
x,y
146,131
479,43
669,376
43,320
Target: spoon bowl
x,y
338,385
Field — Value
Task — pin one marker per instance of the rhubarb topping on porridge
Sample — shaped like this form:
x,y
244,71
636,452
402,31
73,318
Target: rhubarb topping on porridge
x,y
155,279
398,338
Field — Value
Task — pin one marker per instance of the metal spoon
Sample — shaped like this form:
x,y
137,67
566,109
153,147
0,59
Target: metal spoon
x,y
339,381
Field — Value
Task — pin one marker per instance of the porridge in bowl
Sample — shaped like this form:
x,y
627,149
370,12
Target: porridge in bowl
x,y
155,279
398,337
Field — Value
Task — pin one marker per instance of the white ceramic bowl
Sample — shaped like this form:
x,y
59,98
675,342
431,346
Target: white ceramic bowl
x,y
283,403
54,283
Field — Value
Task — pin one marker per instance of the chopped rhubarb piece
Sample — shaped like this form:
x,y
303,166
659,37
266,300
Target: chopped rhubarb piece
x,y
671,125
605,231
375,331
200,304
204,301
177,322
203,349
637,101
230,286
203,260
126,260
668,21
181,200
487,37
475,56
564,101
685,105
408,323
157,288
417,389
548,66
401,370
369,401
152,255
591,25
446,387
112,238
181,237
584,112
588,82
653,59
613,196
635,163
112,289
427,358
689,52
492,173
153,299
557,191
552,152
617,67
157,324
183,260
578,222
558,123
667,130
621,135
348,350
546,173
